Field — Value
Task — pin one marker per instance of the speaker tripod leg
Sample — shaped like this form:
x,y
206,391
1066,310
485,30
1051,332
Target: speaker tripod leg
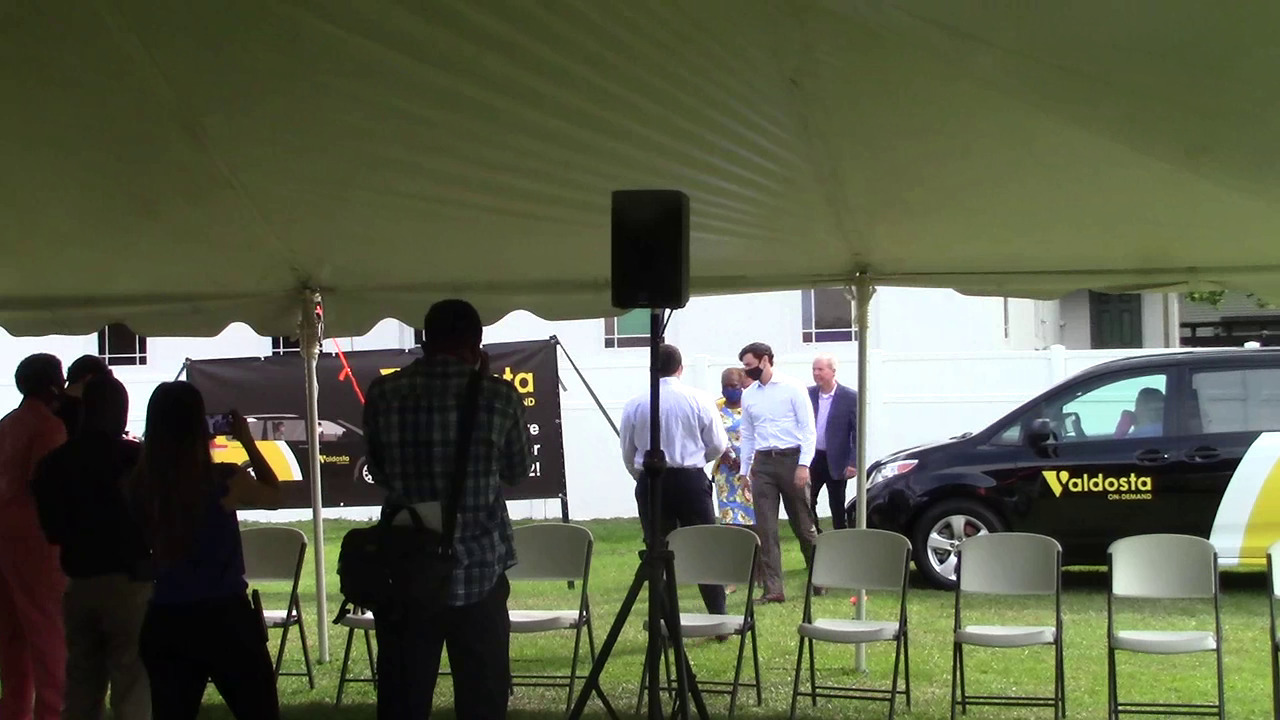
x,y
592,682
686,681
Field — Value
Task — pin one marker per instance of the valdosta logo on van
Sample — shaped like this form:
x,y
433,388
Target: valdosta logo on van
x,y
1131,487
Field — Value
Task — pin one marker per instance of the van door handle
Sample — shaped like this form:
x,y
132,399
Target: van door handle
x,y
1203,454
1151,457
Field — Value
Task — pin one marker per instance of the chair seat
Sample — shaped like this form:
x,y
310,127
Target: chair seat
x,y
697,625
276,618
849,631
1164,642
1005,636
534,621
359,622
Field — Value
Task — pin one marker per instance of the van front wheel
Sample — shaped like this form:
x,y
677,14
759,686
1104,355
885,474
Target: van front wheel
x,y
940,530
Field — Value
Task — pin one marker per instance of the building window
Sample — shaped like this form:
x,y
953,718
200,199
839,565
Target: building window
x,y
281,345
827,316
119,345
629,330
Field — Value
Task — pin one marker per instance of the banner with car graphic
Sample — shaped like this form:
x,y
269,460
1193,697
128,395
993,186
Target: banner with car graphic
x,y
270,393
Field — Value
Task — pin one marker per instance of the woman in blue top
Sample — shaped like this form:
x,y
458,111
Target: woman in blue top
x,y
200,625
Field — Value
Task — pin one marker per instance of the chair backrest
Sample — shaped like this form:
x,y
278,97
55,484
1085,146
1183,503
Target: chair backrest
x,y
1273,570
551,551
272,554
1010,563
861,559
1163,566
713,554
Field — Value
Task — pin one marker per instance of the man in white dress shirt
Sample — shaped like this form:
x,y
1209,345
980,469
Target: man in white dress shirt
x,y
777,446
692,435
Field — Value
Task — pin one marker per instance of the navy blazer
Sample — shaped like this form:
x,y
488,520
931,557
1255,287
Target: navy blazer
x,y
842,428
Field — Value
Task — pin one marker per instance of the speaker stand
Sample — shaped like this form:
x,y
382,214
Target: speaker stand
x,y
657,570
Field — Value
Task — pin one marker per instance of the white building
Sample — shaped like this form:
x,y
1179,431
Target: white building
x,y
940,362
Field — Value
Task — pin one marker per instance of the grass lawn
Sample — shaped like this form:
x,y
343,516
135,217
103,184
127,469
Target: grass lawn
x,y
1188,678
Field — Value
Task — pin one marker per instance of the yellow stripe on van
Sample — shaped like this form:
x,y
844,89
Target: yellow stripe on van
x,y
1260,530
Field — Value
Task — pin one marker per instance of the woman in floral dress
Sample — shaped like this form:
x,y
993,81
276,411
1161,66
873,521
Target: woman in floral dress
x,y
733,492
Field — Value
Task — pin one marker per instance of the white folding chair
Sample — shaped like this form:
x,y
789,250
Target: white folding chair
x,y
277,554
714,555
1273,594
554,551
360,620
1163,567
857,560
1009,564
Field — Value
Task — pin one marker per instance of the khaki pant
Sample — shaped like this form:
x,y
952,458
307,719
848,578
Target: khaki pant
x,y
104,623
773,480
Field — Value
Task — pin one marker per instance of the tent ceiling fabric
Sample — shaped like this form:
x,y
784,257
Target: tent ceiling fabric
x,y
179,166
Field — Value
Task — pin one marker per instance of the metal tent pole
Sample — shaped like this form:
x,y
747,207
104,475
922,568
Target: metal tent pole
x,y
310,335
862,298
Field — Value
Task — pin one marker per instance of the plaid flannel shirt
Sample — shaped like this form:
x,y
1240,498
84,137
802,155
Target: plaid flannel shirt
x,y
411,428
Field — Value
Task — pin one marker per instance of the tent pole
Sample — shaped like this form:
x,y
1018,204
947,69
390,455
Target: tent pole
x,y
863,299
311,333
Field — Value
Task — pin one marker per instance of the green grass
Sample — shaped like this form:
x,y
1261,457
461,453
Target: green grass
x,y
1189,678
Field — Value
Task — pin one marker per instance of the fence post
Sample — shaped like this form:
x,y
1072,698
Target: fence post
x,y
1058,363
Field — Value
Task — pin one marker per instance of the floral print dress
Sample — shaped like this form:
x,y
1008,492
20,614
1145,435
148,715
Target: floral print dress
x,y
733,494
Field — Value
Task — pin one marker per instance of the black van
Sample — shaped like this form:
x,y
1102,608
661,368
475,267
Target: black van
x,y
1182,442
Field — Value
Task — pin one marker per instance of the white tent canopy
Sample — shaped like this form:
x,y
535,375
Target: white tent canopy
x,y
179,166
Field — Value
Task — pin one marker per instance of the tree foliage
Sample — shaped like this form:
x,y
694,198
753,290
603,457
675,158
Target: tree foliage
x,y
1214,298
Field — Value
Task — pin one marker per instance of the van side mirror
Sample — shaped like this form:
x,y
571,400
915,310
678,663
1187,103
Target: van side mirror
x,y
1040,433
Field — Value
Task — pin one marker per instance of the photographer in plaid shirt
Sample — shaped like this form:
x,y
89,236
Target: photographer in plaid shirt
x,y
410,424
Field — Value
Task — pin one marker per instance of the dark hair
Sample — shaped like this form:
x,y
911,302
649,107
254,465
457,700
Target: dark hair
x,y
106,406
86,367
38,375
757,350
669,360
173,483
452,325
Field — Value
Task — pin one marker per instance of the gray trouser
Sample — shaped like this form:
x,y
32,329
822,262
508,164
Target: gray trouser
x,y
103,617
773,479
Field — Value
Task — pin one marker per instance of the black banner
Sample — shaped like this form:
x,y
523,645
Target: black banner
x,y
270,392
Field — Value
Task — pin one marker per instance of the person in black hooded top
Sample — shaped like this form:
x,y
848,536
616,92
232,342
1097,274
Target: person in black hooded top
x,y
79,493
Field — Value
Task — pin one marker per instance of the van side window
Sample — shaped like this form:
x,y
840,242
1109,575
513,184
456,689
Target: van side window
x,y
1131,407
1244,400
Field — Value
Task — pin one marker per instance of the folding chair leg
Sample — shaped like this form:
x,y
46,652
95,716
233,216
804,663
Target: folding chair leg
x,y
955,676
795,685
306,653
373,657
906,663
1113,709
755,660
1222,705
1060,682
644,685
964,691
1275,678
284,638
591,639
346,659
893,686
573,666
813,675
737,672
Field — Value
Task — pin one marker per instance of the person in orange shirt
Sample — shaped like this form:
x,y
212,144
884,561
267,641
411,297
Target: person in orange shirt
x,y
33,650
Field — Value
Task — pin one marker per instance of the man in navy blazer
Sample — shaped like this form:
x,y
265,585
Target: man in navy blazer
x,y
835,409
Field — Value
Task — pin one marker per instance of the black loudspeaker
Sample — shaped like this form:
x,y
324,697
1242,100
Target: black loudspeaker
x,y
650,249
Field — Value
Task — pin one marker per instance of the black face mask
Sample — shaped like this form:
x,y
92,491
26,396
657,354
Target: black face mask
x,y
755,373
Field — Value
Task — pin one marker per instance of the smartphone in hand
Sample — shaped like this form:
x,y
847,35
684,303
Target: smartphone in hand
x,y
220,424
